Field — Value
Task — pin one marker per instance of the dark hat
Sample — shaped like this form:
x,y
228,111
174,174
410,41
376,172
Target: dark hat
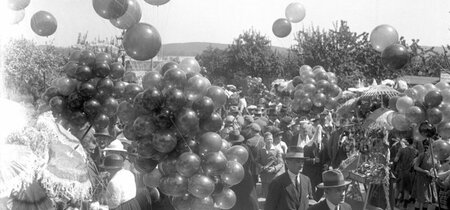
x,y
249,118
259,110
286,120
104,133
277,131
112,161
234,109
254,127
333,178
295,152
235,136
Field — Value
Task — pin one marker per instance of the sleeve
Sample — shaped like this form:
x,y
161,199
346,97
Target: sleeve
x,y
273,197
112,195
310,192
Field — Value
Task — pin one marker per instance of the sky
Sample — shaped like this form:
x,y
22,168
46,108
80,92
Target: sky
x,y
221,21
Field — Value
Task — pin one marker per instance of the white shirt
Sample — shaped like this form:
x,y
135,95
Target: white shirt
x,y
281,147
120,189
331,205
294,178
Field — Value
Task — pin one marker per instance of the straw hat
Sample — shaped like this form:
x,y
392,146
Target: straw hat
x,y
295,152
235,136
115,145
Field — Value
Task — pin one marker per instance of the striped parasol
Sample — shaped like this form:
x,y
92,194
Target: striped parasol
x,y
346,108
379,118
380,90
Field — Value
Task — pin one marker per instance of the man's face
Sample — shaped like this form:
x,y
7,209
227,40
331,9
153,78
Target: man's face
x,y
295,165
277,138
336,195
268,140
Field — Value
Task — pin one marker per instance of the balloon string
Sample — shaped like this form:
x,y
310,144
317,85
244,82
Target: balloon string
x,y
181,134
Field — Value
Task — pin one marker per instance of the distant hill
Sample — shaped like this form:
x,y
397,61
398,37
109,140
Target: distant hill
x,y
196,48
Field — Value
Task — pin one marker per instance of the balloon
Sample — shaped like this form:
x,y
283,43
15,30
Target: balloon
x,y
168,166
233,174
415,114
237,153
152,179
225,146
319,100
187,121
281,28
119,89
304,68
198,86
18,4
183,202
92,107
433,99
142,41
200,186
334,90
132,16
209,142
167,66
57,104
430,87
442,85
175,99
310,80
176,77
164,141
204,106
130,77
101,69
305,74
105,86
421,92
395,56
66,86
157,2
411,92
309,88
445,110
441,149
400,122
217,94
206,203
144,126
393,103
434,115
103,57
15,17
306,104
131,90
214,163
83,73
444,130
332,103
383,36
145,165
110,106
87,58
403,103
174,185
212,123
427,130
110,9
152,79
188,164
446,95
225,199
43,23
152,99
117,70
295,12
190,65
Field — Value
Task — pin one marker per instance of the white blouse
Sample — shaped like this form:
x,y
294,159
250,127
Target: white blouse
x,y
120,189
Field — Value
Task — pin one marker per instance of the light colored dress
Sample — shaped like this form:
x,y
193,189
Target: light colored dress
x,y
120,189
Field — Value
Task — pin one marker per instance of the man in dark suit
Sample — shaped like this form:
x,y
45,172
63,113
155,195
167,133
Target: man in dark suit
x,y
291,190
335,188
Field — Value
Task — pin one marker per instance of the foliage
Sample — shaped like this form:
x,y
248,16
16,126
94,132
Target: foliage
x,y
215,61
29,68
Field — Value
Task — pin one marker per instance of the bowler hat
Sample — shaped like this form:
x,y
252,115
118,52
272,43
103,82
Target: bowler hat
x,y
235,136
333,178
295,152
104,133
112,161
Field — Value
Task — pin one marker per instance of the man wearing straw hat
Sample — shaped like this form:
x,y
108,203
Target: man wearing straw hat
x,y
291,190
335,188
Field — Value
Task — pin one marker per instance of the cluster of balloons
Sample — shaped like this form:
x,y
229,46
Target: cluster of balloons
x,y
315,89
424,109
295,12
90,90
384,39
17,10
173,119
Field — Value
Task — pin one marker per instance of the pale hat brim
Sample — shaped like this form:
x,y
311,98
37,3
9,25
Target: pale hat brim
x,y
333,186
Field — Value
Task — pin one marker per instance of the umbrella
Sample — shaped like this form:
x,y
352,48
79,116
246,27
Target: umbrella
x,y
347,107
378,119
380,90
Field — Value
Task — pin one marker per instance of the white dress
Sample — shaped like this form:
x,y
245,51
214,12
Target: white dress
x,y
120,189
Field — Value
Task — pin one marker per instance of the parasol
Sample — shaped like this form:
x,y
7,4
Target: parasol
x,y
380,90
348,106
378,119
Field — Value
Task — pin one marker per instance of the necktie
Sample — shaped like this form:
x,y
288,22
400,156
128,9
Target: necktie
x,y
337,207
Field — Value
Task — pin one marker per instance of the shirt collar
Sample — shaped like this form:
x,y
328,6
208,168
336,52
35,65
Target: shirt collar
x,y
292,176
330,205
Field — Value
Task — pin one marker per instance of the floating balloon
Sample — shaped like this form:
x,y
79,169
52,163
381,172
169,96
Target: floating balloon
x,y
18,4
400,122
421,92
281,28
174,185
295,12
132,16
233,174
152,79
188,164
209,142
214,163
442,85
164,141
403,103
383,36
110,9
395,56
206,203
217,94
433,99
415,114
237,153
441,149
187,121
444,130
434,115
427,130
142,41
43,23
190,65
393,103
157,2
200,186
225,199
197,86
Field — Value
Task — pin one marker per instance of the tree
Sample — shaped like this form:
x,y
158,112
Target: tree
x,y
30,69
215,61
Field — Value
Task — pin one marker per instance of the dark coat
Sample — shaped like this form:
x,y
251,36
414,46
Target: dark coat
x,y
322,205
284,196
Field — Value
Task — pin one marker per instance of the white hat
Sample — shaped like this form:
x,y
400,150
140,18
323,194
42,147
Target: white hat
x,y
115,145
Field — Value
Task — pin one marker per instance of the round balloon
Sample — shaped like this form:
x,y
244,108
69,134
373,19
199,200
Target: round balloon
x,y
18,4
225,199
295,12
383,36
281,28
403,103
200,186
217,94
157,2
395,56
43,23
441,149
233,174
132,16
142,41
110,9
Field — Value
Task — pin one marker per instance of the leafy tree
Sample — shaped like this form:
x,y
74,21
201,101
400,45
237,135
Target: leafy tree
x,y
29,68
215,61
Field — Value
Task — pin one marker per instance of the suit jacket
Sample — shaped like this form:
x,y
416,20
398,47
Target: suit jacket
x,y
283,194
322,205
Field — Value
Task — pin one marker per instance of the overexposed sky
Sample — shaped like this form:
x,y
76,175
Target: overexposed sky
x,y
221,21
